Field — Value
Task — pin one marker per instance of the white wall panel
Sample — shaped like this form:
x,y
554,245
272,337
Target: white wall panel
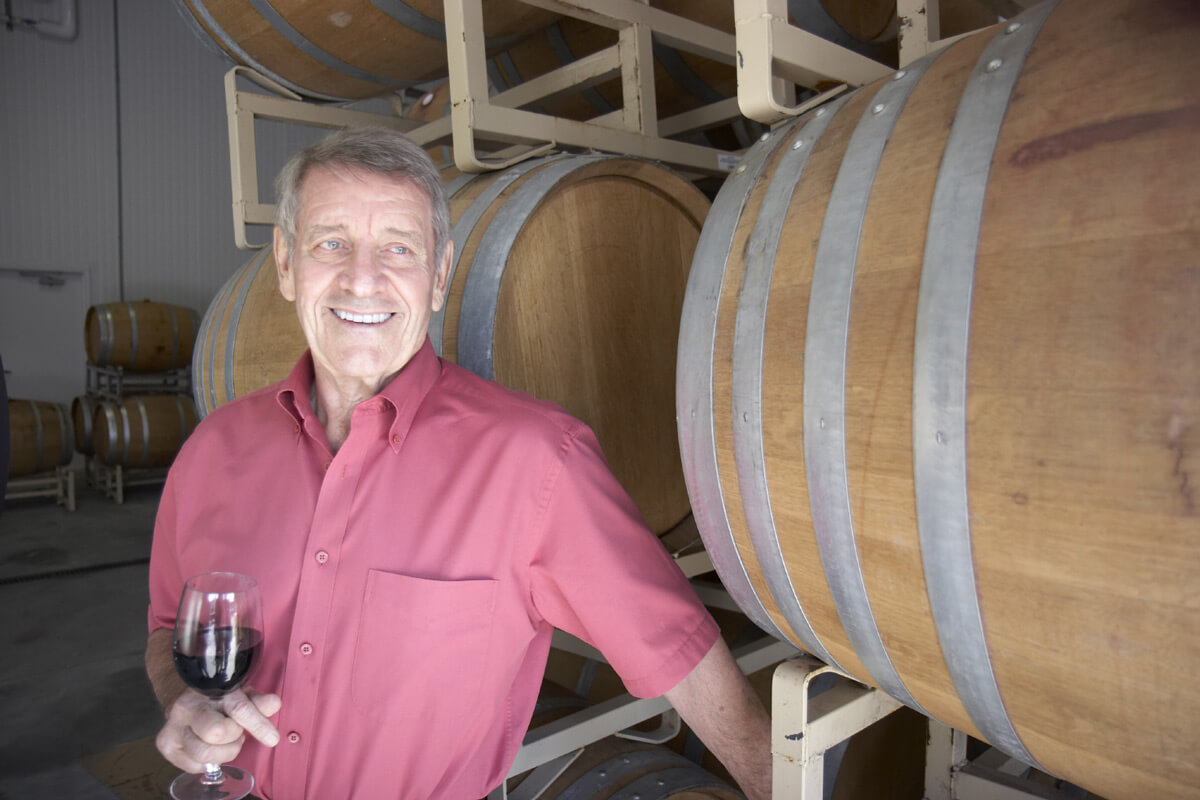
x,y
115,166
58,166
176,219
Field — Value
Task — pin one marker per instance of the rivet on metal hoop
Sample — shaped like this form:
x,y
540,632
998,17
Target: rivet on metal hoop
x,y
821,112
878,108
899,74
764,137
796,145
994,65
1013,27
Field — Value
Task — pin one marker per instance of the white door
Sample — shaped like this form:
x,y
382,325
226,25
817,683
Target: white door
x,y
42,317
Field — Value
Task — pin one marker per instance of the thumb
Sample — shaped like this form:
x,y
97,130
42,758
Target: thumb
x,y
267,704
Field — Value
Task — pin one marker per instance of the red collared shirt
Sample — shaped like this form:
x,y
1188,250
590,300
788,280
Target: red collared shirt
x,y
411,581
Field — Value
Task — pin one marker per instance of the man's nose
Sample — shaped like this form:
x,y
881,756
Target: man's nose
x,y
362,271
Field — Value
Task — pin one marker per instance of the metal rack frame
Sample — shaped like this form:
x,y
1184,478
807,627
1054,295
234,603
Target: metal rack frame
x,y
805,725
492,131
113,383
59,484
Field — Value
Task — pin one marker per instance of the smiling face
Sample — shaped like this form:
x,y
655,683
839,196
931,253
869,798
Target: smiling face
x,y
362,274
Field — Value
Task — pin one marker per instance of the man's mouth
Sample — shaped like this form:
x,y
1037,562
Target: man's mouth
x,y
368,319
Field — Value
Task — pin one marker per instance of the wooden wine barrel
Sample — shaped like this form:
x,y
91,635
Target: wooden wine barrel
x,y
249,337
142,431
83,409
39,437
568,284
349,49
141,336
613,767
939,389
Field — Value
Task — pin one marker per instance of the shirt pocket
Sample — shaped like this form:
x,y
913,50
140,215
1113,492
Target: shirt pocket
x,y
422,644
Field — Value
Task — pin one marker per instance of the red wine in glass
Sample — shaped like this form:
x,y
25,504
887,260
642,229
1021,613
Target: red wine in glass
x,y
218,640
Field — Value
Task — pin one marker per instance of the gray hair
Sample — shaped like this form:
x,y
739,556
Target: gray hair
x,y
379,150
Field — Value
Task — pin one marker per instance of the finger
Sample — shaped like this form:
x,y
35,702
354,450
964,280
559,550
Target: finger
x,y
203,752
185,750
268,704
213,726
204,717
242,710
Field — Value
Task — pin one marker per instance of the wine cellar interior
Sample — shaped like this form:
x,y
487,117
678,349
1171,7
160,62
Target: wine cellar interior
x,y
885,314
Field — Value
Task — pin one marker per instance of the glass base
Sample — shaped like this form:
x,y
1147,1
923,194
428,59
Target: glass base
x,y
237,784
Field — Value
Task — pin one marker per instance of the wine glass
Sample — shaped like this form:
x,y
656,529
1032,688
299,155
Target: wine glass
x,y
218,638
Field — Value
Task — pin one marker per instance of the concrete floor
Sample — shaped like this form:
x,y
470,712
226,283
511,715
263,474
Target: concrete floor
x,y
73,627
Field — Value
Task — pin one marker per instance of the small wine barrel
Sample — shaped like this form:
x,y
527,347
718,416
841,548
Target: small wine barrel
x,y
142,431
939,389
141,336
614,767
39,437
568,284
83,409
350,49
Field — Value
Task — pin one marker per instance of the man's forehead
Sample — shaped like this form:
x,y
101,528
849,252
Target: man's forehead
x,y
390,201
399,185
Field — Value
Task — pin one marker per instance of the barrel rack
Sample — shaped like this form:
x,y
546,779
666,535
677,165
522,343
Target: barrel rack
x,y
490,130
769,53
113,384
59,484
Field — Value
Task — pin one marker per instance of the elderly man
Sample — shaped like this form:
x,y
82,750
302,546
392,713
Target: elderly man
x,y
417,532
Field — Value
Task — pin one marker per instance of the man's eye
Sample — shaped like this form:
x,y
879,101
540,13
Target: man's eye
x,y
329,245
398,249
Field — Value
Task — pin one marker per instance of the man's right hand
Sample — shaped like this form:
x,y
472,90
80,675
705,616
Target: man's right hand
x,y
200,730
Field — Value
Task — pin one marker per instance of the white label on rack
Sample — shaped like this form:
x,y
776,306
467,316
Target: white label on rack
x,y
728,161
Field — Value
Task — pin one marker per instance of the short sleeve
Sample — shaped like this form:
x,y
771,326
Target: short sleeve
x,y
599,573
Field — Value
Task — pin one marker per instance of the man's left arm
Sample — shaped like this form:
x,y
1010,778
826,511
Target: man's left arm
x,y
719,705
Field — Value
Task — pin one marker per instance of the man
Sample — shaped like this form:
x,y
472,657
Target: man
x,y
417,532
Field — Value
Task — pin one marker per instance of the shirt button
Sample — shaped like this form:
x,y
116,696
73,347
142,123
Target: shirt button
x,y
306,649
322,556
325,466
293,737
296,430
396,438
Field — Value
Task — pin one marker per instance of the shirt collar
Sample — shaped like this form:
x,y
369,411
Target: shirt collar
x,y
404,394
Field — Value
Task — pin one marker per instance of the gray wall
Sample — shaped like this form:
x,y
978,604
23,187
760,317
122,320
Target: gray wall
x,y
114,174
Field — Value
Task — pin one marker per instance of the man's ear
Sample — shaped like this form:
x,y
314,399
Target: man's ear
x,y
441,278
283,267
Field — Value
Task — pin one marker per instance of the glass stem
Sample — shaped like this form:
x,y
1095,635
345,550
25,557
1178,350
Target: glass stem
x,y
212,775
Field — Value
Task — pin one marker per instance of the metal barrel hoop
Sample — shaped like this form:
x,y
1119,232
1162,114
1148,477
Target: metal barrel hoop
x,y
749,369
694,382
825,364
940,376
